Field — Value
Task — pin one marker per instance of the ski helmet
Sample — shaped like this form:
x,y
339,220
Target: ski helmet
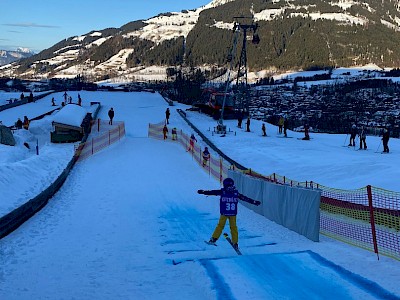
x,y
228,182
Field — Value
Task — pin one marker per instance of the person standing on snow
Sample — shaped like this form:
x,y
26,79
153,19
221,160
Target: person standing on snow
x,y
111,115
306,132
385,140
240,119
229,198
363,137
280,124
353,134
174,134
167,114
248,124
264,130
206,156
191,143
165,131
285,126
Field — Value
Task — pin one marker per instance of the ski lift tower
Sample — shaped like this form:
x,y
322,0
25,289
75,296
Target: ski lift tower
x,y
241,79
239,26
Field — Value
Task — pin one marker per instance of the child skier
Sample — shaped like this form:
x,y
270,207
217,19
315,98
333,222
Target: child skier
x,y
206,156
228,209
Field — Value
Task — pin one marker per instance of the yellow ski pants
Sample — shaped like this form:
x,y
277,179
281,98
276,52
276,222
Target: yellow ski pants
x,y
232,224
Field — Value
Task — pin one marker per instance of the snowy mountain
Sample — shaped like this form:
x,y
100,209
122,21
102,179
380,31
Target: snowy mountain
x,y
293,36
7,57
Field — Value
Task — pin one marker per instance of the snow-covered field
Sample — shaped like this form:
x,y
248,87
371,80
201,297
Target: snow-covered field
x,y
129,224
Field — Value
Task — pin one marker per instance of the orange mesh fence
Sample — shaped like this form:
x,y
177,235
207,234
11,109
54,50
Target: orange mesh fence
x,y
100,138
368,218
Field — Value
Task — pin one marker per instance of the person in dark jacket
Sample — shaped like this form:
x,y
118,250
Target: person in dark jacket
x,y
306,132
363,138
264,130
248,124
111,115
385,140
285,126
18,124
229,199
353,134
240,119
167,114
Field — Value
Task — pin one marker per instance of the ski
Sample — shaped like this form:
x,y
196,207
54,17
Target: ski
x,y
262,245
230,242
209,243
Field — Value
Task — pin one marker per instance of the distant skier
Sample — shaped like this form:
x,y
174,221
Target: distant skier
x,y
174,134
206,156
248,124
353,134
229,198
306,132
191,143
165,132
285,126
111,116
167,114
363,137
240,119
385,140
65,95
264,130
280,124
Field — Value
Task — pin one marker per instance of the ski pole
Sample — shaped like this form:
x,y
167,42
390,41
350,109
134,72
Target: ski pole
x,y
378,147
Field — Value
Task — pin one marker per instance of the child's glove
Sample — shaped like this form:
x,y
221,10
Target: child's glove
x,y
200,192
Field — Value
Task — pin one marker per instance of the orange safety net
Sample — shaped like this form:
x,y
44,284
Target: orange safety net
x,y
102,136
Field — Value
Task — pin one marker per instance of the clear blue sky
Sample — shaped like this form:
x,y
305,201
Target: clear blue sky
x,y
40,24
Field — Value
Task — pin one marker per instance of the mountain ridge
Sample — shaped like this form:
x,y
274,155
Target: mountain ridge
x,y
9,56
294,36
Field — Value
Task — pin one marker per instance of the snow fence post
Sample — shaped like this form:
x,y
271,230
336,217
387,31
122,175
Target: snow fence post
x,y
372,219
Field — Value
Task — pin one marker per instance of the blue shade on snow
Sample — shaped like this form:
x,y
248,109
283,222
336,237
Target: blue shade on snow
x,y
298,275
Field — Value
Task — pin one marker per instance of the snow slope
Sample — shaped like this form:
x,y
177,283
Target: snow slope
x,y
128,224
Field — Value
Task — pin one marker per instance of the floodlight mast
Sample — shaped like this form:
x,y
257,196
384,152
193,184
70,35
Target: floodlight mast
x,y
238,27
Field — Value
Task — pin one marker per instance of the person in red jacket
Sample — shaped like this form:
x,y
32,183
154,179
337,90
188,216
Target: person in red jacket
x,y
229,199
